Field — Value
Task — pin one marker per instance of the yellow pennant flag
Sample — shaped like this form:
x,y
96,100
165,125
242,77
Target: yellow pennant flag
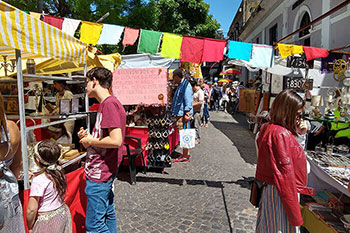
x,y
171,45
90,32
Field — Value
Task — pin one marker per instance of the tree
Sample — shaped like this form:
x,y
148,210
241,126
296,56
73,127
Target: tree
x,y
186,17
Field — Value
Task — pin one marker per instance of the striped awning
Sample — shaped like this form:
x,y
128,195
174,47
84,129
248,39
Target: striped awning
x,y
19,30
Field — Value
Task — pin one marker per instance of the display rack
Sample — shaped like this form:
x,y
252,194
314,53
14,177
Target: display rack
x,y
23,117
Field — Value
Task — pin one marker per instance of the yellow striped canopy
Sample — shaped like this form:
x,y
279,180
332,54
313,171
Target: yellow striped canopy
x,y
19,30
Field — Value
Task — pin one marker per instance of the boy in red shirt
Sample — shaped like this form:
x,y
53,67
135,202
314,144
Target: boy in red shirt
x,y
104,152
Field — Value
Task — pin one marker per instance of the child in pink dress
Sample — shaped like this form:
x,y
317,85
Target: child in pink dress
x,y
46,211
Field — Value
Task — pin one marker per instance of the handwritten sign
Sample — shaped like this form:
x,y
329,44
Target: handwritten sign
x,y
135,86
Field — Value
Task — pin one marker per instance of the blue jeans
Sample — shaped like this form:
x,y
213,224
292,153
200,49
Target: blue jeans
x,y
100,214
206,113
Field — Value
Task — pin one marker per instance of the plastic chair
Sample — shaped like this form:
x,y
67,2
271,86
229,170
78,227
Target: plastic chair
x,y
132,154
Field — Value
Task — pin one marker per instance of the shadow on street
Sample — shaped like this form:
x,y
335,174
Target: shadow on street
x,y
240,135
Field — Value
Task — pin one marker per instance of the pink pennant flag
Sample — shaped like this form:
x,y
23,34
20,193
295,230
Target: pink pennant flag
x,y
213,50
130,36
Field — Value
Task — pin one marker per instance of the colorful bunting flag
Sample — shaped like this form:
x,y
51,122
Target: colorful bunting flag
x,y
69,26
192,49
262,56
53,21
149,41
171,46
110,34
312,53
35,15
286,50
213,50
90,32
130,36
239,50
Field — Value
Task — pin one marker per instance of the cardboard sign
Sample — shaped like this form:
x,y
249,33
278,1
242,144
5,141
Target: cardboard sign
x,y
135,86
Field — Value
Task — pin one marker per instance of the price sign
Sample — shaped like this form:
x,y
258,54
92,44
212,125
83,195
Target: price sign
x,y
298,83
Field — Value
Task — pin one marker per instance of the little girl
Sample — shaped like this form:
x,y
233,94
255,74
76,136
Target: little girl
x,y
46,210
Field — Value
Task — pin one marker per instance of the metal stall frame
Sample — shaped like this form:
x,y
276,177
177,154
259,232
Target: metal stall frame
x,y
22,116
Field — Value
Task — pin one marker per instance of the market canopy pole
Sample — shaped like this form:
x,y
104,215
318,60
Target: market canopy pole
x,y
340,6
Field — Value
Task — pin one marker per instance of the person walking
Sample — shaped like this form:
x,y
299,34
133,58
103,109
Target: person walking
x,y
46,210
216,94
198,104
181,106
104,152
281,168
206,115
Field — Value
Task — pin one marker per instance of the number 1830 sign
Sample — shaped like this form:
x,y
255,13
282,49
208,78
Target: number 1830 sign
x,y
298,83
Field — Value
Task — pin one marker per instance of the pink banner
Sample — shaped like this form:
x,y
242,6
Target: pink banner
x,y
135,86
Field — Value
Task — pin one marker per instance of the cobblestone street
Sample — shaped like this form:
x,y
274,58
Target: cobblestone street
x,y
208,194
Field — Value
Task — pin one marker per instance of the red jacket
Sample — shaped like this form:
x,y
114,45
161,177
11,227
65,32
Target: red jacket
x,y
282,162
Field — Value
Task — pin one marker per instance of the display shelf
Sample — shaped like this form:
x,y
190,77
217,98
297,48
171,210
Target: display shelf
x,y
70,162
65,119
34,77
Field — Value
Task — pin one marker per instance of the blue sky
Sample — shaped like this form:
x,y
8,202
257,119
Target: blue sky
x,y
224,11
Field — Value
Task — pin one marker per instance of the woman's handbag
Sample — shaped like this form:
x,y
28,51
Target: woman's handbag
x,y
256,192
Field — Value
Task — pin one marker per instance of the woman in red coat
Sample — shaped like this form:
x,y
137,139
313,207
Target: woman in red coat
x,y
282,166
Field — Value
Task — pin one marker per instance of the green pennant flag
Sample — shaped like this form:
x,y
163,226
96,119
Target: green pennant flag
x,y
149,41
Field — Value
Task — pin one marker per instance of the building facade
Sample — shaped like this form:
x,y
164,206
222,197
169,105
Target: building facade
x,y
272,20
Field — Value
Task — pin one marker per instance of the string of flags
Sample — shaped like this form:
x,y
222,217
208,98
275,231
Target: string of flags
x,y
185,48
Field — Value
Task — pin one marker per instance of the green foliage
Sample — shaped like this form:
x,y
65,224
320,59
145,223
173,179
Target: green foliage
x,y
186,17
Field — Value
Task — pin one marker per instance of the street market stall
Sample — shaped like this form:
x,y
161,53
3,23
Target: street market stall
x,y
24,37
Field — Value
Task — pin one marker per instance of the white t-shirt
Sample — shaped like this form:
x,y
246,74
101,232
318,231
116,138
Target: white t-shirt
x,y
198,96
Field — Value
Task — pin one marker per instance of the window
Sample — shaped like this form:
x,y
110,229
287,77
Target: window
x,y
257,40
304,21
273,34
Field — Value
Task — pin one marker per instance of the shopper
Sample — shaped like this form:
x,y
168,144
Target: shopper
x,y
235,104
216,94
281,166
46,211
11,213
198,105
181,106
206,115
104,152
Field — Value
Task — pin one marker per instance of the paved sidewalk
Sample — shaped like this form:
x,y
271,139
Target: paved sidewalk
x,y
208,194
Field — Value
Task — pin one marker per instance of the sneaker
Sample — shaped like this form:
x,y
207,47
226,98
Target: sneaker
x,y
182,159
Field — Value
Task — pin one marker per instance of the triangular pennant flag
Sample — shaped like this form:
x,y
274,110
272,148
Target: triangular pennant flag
x,y
149,41
69,26
110,34
171,45
35,15
90,32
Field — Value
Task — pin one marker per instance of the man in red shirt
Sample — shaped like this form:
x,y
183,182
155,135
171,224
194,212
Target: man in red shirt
x,y
104,152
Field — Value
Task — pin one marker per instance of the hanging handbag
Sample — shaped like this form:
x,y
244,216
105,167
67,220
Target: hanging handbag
x,y
256,192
